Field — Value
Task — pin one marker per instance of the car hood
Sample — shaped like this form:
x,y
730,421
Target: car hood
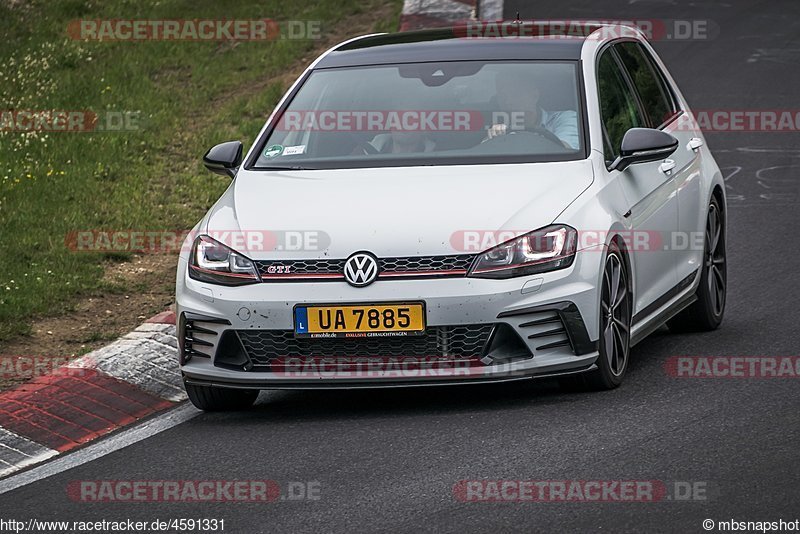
x,y
394,211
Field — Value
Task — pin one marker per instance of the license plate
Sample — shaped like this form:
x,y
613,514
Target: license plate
x,y
360,320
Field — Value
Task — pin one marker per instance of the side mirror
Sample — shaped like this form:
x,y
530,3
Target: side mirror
x,y
641,145
224,158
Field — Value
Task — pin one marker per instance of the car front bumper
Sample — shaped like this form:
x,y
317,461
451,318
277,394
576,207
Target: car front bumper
x,y
542,325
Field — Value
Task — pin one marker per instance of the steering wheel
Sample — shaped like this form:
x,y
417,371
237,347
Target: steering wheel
x,y
367,147
547,134
364,146
543,141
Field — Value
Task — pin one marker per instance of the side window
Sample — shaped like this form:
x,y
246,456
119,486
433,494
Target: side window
x,y
655,95
619,110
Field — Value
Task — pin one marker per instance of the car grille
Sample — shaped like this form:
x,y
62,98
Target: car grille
x,y
451,342
303,266
426,263
332,269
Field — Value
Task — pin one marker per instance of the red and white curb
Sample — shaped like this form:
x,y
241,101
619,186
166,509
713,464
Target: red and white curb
x,y
418,14
103,391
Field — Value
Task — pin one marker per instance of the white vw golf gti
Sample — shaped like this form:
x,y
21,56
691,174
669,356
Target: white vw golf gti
x,y
439,207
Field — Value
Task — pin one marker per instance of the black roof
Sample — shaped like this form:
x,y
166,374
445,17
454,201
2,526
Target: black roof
x,y
453,44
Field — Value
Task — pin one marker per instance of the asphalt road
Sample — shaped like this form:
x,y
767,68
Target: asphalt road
x,y
388,460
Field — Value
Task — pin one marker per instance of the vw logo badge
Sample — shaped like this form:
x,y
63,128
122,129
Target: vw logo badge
x,y
361,269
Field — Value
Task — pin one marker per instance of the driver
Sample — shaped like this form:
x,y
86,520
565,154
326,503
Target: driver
x,y
519,97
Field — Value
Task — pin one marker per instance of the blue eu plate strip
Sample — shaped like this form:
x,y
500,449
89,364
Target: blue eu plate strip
x,y
301,320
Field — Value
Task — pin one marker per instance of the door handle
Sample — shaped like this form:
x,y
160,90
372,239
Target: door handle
x,y
694,144
666,166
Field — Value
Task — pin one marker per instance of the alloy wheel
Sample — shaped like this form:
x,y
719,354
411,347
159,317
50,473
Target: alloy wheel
x,y
716,273
616,315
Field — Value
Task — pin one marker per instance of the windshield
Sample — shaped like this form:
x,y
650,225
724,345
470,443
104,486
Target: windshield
x,y
462,112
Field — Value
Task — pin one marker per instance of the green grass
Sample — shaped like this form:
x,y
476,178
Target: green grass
x,y
55,183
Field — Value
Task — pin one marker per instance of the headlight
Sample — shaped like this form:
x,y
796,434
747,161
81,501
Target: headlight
x,y
213,262
542,250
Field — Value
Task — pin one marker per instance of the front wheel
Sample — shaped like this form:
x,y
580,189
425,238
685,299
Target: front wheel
x,y
213,399
707,312
614,344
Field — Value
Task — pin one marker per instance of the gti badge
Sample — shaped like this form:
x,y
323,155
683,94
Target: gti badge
x,y
279,269
361,269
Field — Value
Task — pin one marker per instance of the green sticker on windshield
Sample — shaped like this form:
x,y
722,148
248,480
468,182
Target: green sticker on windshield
x,y
273,151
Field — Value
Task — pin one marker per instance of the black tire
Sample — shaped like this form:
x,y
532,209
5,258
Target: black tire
x,y
212,399
707,312
614,344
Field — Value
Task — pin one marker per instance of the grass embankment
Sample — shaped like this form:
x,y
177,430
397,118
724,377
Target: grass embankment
x,y
184,96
